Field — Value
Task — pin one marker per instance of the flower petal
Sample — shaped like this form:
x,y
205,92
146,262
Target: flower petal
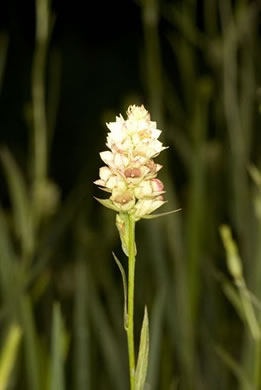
x,y
107,157
105,173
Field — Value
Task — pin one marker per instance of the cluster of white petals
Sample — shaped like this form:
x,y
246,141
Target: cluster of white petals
x,y
130,172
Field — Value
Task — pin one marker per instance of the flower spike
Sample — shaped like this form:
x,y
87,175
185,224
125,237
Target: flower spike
x,y
130,174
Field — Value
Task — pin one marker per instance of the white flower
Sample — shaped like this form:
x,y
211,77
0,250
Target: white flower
x,y
114,160
130,171
148,188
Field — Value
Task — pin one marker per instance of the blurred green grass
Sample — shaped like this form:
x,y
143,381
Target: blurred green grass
x,y
60,290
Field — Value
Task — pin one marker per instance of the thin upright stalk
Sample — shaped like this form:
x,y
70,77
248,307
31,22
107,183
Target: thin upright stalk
x,y
130,327
257,373
38,90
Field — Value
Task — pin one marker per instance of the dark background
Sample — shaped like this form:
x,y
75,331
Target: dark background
x,y
195,65
99,50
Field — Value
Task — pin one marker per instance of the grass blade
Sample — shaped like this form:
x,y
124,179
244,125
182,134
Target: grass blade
x,y
57,374
142,364
31,350
81,331
124,281
9,354
20,201
234,367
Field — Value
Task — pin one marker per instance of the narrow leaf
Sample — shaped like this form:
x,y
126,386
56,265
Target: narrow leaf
x,y
234,262
9,354
57,374
81,359
30,344
151,216
234,265
233,296
124,281
7,260
142,364
20,201
234,367
12,273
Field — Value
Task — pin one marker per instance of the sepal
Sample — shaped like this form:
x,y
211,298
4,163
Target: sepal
x,y
107,203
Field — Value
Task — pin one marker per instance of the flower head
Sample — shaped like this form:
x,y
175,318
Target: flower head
x,y
130,172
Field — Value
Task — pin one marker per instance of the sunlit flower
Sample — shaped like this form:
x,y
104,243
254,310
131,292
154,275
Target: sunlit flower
x,y
130,172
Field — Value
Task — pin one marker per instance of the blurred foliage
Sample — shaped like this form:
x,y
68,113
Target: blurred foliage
x,y
196,67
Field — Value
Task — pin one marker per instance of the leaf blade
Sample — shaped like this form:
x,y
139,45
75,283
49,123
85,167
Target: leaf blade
x,y
142,364
9,354
20,201
57,380
124,282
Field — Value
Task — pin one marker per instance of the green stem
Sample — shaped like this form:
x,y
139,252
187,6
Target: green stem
x,y
38,90
130,327
257,364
